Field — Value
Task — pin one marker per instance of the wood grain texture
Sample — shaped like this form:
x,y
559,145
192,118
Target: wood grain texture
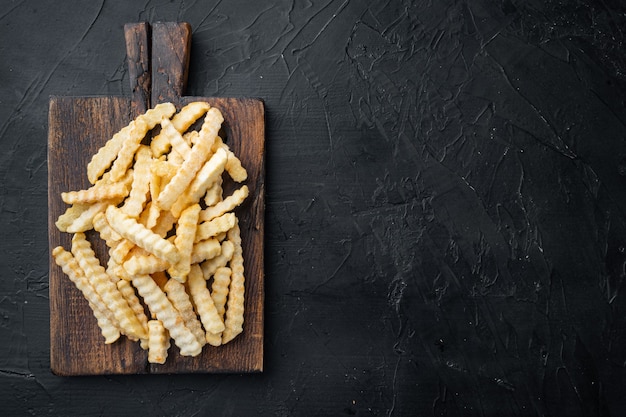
x,y
138,43
78,126
171,47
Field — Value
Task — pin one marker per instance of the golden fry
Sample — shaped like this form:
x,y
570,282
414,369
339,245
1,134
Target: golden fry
x,y
205,307
158,342
96,193
235,305
219,289
198,155
215,226
101,225
106,289
105,318
205,249
163,310
226,205
180,299
128,292
134,204
185,235
189,114
207,175
234,168
130,229
210,266
126,141
175,138
214,193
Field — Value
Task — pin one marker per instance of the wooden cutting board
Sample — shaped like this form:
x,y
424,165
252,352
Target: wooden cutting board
x,y
158,61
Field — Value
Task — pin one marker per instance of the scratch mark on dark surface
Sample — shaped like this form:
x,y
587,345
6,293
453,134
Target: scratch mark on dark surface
x,y
10,10
46,79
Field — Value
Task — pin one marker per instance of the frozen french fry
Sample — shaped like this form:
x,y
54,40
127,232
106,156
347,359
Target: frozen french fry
x,y
235,305
205,307
162,308
106,289
158,342
135,232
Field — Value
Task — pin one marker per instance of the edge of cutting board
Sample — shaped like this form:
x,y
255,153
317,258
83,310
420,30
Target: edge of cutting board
x,y
78,126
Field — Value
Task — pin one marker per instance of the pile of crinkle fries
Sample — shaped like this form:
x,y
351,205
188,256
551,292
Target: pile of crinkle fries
x,y
173,240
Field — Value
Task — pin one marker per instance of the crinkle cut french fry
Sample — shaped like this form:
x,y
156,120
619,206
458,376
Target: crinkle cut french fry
x,y
134,204
107,154
158,342
181,121
211,126
110,332
213,339
164,224
189,114
191,137
205,249
106,289
214,193
96,193
185,235
155,180
180,299
141,126
120,251
79,218
198,155
159,145
129,134
235,305
144,264
228,204
111,270
215,226
105,318
210,266
130,229
201,297
150,215
84,222
162,308
207,175
233,166
184,175
219,289
164,169
101,225
71,214
175,159
128,292
174,137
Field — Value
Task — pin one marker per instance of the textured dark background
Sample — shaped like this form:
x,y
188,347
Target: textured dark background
x,y
446,199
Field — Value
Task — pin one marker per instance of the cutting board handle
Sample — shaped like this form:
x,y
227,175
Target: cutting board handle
x,y
171,46
138,55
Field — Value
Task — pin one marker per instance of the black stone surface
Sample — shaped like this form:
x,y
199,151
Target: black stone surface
x,y
446,199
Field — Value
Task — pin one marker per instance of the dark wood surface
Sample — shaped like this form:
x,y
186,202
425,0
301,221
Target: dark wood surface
x,y
78,126
138,57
